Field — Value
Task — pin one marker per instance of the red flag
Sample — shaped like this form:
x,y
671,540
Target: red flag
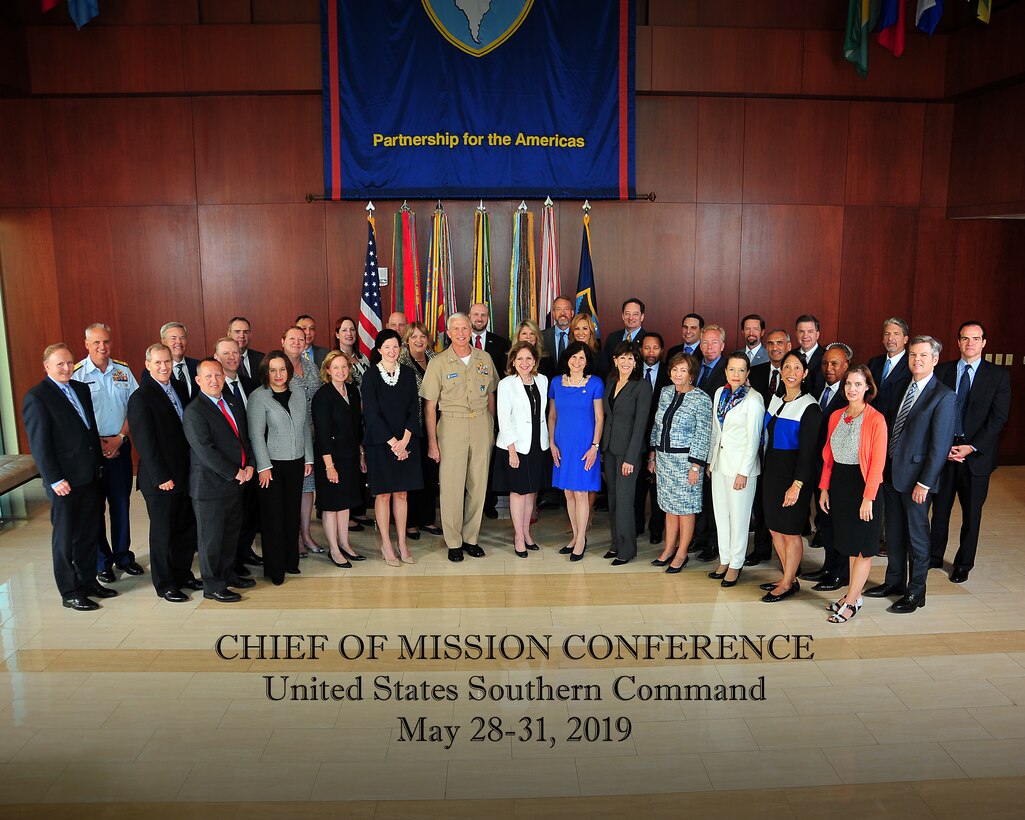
x,y
891,26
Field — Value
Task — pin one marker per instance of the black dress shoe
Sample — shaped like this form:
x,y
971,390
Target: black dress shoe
x,y
277,581
906,605
253,558
455,555
195,584
242,571
103,592
829,585
133,569
225,597
414,535
295,571
532,547
107,576
959,575
244,583
769,598
655,538
491,512
608,555
430,528
769,586
175,596
818,575
752,561
355,526
618,562
473,550
80,603
882,591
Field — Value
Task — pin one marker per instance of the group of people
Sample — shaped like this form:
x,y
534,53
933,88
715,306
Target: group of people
x,y
711,442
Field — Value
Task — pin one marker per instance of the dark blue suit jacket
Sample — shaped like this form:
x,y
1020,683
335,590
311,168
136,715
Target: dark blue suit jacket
x,y
989,405
921,451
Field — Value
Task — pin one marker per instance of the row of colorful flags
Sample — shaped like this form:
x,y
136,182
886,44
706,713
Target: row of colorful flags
x,y
886,18
527,300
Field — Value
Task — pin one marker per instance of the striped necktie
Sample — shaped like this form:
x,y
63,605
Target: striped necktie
x,y
902,416
74,403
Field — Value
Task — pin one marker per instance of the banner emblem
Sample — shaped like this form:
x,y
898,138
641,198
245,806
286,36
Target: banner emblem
x,y
477,27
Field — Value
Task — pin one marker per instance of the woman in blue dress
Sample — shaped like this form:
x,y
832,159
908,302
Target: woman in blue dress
x,y
575,419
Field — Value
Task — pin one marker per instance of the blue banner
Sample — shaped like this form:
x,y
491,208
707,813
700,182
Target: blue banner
x,y
478,98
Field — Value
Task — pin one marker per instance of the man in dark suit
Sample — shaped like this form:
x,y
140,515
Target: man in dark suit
x,y
65,443
711,377
240,330
921,430
690,332
498,348
155,418
558,336
655,373
807,330
221,463
183,368
768,381
312,353
835,571
890,370
633,330
982,405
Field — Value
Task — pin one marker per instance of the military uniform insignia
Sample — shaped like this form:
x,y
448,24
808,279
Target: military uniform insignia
x,y
483,369
120,375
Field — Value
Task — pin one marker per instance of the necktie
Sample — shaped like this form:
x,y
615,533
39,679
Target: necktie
x,y
234,429
233,387
74,403
560,345
688,349
961,400
180,375
647,375
824,401
174,399
902,416
476,343
245,364
774,383
705,370
886,368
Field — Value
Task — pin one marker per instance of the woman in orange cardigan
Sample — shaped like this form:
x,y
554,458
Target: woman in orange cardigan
x,y
853,457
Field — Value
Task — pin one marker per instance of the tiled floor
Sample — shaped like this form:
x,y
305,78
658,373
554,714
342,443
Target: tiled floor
x,y
129,712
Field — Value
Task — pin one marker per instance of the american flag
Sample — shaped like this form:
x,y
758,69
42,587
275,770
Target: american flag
x,y
370,305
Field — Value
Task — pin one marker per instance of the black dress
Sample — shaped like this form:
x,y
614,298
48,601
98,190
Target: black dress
x,y
529,476
388,411
788,453
338,430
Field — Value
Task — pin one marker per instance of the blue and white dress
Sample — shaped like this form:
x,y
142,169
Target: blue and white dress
x,y
789,440
680,437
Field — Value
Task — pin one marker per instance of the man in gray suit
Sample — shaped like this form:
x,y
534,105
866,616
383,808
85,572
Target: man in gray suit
x,y
921,430
557,337
752,327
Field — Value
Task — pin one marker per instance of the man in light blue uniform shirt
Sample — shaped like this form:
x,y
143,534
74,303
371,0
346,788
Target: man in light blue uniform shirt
x,y
111,384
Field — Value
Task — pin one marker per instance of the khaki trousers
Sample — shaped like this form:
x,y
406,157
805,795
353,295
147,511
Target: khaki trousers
x,y
465,446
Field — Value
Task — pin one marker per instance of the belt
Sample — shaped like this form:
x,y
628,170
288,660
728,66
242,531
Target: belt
x,y
673,450
454,415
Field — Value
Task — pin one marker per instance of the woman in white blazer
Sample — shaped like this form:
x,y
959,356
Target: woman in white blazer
x,y
738,416
522,437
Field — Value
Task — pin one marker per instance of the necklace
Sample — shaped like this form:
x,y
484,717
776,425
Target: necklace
x,y
390,379
849,419
569,381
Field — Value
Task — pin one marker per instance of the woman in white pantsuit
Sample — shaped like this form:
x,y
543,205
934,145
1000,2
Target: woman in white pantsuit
x,y
739,413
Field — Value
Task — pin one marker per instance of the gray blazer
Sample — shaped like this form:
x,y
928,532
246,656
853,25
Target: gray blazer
x,y
625,427
275,434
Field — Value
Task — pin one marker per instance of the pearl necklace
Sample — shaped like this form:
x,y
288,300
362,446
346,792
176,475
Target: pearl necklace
x,y
390,379
569,381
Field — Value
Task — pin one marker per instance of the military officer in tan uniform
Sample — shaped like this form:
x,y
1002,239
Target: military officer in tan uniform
x,y
461,383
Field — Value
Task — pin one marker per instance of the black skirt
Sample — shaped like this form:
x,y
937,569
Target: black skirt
x,y
851,535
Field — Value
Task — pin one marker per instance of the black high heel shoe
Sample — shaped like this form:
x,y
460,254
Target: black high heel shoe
x,y
414,535
534,547
573,556
340,564
661,562
671,570
520,554
353,556
733,583
718,576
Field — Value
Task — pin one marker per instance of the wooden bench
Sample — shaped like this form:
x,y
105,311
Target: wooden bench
x,y
15,471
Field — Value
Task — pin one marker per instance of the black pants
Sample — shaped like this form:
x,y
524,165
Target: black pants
x,y
77,519
762,548
423,504
971,490
706,536
622,490
647,489
837,565
172,539
280,504
217,524
907,536
250,525
116,488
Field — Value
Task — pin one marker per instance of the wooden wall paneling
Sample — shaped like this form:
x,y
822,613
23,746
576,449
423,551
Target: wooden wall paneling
x,y
32,312
720,165
266,262
987,165
877,274
105,60
225,11
128,151
918,74
24,178
794,14
134,268
981,54
935,273
884,153
14,72
725,60
673,12
667,147
280,57
939,126
346,231
642,67
790,263
295,11
795,151
143,12
279,136
717,270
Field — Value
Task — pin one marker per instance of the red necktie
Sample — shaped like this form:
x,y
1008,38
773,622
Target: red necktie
x,y
477,344
234,429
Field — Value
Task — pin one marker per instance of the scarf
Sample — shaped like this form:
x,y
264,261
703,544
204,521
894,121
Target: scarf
x,y
728,400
